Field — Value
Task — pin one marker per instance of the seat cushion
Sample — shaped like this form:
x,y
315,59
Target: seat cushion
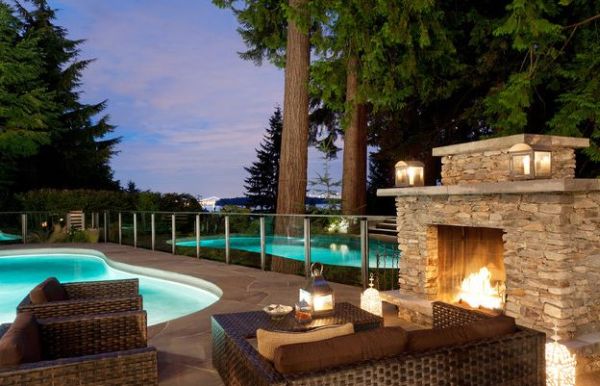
x,y
268,341
423,340
343,350
21,343
50,290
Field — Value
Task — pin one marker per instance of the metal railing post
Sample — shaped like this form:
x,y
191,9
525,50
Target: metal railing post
x,y
173,234
198,236
105,219
153,231
134,230
263,244
364,252
120,228
227,249
24,227
307,247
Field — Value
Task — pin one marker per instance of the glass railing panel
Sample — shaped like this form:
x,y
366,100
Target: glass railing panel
x,y
335,243
144,230
162,223
244,240
112,219
212,236
127,228
10,228
45,227
384,259
286,244
185,234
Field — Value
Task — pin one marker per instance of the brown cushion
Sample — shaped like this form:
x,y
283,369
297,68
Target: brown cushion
x,y
423,340
268,341
21,343
50,290
365,345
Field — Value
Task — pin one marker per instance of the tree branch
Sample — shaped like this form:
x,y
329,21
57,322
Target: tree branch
x,y
588,20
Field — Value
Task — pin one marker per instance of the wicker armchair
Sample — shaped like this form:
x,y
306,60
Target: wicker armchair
x,y
89,298
516,359
93,350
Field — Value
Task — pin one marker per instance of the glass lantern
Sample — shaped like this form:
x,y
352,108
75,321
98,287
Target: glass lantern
x,y
409,173
529,163
370,300
317,293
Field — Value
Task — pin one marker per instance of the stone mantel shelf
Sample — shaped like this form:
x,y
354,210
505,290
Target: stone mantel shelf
x,y
505,187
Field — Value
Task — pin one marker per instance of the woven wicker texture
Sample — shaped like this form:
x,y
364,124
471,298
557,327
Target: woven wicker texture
x,y
516,359
89,298
116,348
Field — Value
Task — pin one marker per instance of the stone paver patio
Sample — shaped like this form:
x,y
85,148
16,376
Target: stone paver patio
x,y
184,344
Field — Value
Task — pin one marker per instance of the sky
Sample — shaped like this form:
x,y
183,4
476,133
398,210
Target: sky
x,y
190,112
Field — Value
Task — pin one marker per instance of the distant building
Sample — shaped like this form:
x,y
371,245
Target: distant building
x,y
209,203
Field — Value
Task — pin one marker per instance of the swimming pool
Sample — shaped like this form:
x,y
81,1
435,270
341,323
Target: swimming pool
x,y
332,250
21,270
8,237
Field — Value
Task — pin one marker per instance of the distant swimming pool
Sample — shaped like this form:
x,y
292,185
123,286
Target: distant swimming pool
x,y
8,237
333,250
21,270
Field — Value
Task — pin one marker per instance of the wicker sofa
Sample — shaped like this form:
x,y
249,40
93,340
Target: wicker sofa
x,y
92,350
89,298
515,359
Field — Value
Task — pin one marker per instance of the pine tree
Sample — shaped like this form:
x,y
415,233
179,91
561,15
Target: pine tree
x,y
79,149
26,107
261,184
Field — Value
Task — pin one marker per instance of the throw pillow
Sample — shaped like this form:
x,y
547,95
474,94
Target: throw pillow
x,y
268,341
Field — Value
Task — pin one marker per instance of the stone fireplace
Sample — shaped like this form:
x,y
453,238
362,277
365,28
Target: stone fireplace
x,y
539,238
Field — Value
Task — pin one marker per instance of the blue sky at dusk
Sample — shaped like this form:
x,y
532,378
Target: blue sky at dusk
x,y
189,110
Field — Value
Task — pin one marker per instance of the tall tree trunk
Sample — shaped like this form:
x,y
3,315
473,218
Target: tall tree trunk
x,y
294,142
354,178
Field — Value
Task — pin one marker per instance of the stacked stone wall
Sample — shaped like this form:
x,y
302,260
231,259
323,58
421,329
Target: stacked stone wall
x,y
494,166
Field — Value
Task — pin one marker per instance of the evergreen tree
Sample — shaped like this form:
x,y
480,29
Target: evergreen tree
x,y
326,187
261,184
78,151
26,106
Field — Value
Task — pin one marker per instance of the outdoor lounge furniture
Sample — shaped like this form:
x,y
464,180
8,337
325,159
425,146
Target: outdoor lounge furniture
x,y
86,298
108,349
516,358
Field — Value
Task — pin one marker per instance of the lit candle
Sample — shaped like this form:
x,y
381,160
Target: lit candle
x,y
545,165
411,176
526,165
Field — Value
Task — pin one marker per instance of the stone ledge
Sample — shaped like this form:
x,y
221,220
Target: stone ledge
x,y
413,303
504,187
504,143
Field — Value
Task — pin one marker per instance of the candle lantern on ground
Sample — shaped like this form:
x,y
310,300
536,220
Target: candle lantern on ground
x,y
318,293
370,300
529,163
409,173
560,364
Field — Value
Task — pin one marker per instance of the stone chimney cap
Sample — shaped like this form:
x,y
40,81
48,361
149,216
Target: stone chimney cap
x,y
505,143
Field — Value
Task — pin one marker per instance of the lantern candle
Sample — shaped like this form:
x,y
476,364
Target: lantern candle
x,y
526,165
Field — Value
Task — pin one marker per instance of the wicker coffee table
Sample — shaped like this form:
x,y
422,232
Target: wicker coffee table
x,y
245,324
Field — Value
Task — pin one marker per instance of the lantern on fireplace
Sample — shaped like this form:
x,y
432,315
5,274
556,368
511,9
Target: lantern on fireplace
x,y
560,364
317,293
409,173
529,163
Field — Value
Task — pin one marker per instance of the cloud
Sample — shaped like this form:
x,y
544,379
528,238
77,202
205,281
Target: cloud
x,y
190,111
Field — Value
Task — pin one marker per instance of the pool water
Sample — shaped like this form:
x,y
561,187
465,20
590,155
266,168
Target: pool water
x,y
8,237
162,299
333,250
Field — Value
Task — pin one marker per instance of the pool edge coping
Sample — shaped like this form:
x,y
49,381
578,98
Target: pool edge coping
x,y
129,268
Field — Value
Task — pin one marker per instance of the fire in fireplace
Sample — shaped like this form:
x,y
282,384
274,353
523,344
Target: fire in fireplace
x,y
471,266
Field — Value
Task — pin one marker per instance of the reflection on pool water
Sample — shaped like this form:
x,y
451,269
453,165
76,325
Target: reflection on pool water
x,y
163,299
8,237
334,250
